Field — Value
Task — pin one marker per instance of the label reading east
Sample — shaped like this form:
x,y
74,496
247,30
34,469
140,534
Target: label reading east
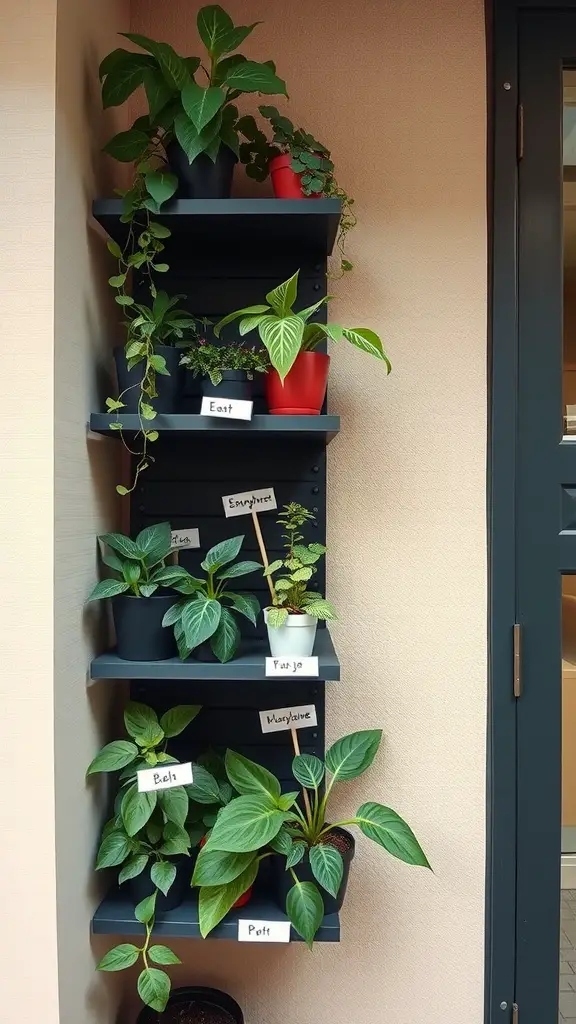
x,y
303,717
292,666
227,408
182,539
164,776
263,931
249,501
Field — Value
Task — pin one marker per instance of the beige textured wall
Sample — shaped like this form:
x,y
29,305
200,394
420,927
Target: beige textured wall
x,y
28,933
397,91
84,479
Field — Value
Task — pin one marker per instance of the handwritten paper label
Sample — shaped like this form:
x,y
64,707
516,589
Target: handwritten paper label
x,y
183,539
249,501
263,931
164,776
227,408
303,717
292,666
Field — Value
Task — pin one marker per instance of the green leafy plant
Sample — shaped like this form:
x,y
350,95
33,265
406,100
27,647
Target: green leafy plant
x,y
146,831
240,840
207,360
207,609
139,566
200,116
296,568
262,817
308,157
286,333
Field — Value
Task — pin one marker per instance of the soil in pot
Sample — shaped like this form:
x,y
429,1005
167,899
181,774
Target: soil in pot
x,y
168,388
342,841
304,387
142,886
203,178
287,184
195,1005
140,635
234,384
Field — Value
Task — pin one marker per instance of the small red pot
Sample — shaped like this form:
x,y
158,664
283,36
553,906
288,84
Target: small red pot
x,y
286,182
304,388
244,898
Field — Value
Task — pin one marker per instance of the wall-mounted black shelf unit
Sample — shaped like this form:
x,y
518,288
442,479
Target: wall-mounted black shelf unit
x,y
248,666
115,916
319,428
310,225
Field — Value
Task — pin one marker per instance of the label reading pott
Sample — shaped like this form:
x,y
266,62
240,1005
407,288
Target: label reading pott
x,y
263,931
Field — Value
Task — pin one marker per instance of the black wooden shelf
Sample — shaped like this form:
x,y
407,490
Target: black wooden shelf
x,y
309,224
176,424
115,916
250,665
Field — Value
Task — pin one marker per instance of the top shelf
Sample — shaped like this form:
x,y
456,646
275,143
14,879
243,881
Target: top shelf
x,y
303,224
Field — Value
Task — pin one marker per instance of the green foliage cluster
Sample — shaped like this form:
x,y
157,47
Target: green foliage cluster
x,y
263,820
206,612
207,360
138,566
297,569
286,332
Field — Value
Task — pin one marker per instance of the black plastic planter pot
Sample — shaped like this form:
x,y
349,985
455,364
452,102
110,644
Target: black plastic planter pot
x,y
204,652
142,886
168,388
234,384
195,1005
140,635
203,178
344,843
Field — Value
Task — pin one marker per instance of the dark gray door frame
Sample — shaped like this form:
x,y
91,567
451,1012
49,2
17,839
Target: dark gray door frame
x,y
503,17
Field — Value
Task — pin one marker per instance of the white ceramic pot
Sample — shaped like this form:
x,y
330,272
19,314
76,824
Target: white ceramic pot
x,y
295,639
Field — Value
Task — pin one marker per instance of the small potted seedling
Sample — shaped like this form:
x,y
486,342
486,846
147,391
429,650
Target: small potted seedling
x,y
296,384
147,838
204,619
226,370
139,571
293,618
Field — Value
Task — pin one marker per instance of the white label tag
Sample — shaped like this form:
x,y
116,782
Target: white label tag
x,y
164,776
182,539
292,666
227,408
303,717
263,931
249,501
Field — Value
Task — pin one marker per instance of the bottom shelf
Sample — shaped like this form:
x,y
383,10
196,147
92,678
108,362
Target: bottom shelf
x,y
115,916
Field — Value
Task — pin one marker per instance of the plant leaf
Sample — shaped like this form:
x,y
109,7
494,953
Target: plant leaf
x,y
295,854
320,609
142,724
251,779
216,867
127,146
389,830
246,604
282,337
118,542
239,569
308,770
214,24
161,185
133,867
193,142
200,619
251,76
201,104
154,988
367,341
136,809
204,788
108,588
174,803
145,910
113,757
114,850
124,76
327,867
225,640
174,721
222,553
350,756
305,908
276,617
237,315
283,297
246,823
282,843
118,959
158,92
163,955
215,901
163,874
176,840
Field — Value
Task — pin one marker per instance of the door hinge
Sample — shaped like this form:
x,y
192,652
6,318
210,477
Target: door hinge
x,y
514,1013
520,133
517,658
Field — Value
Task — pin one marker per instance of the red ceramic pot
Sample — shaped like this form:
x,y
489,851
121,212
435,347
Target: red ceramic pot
x,y
286,182
304,388
244,898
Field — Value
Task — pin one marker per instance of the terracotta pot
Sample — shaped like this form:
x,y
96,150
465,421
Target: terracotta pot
x,y
304,387
287,184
